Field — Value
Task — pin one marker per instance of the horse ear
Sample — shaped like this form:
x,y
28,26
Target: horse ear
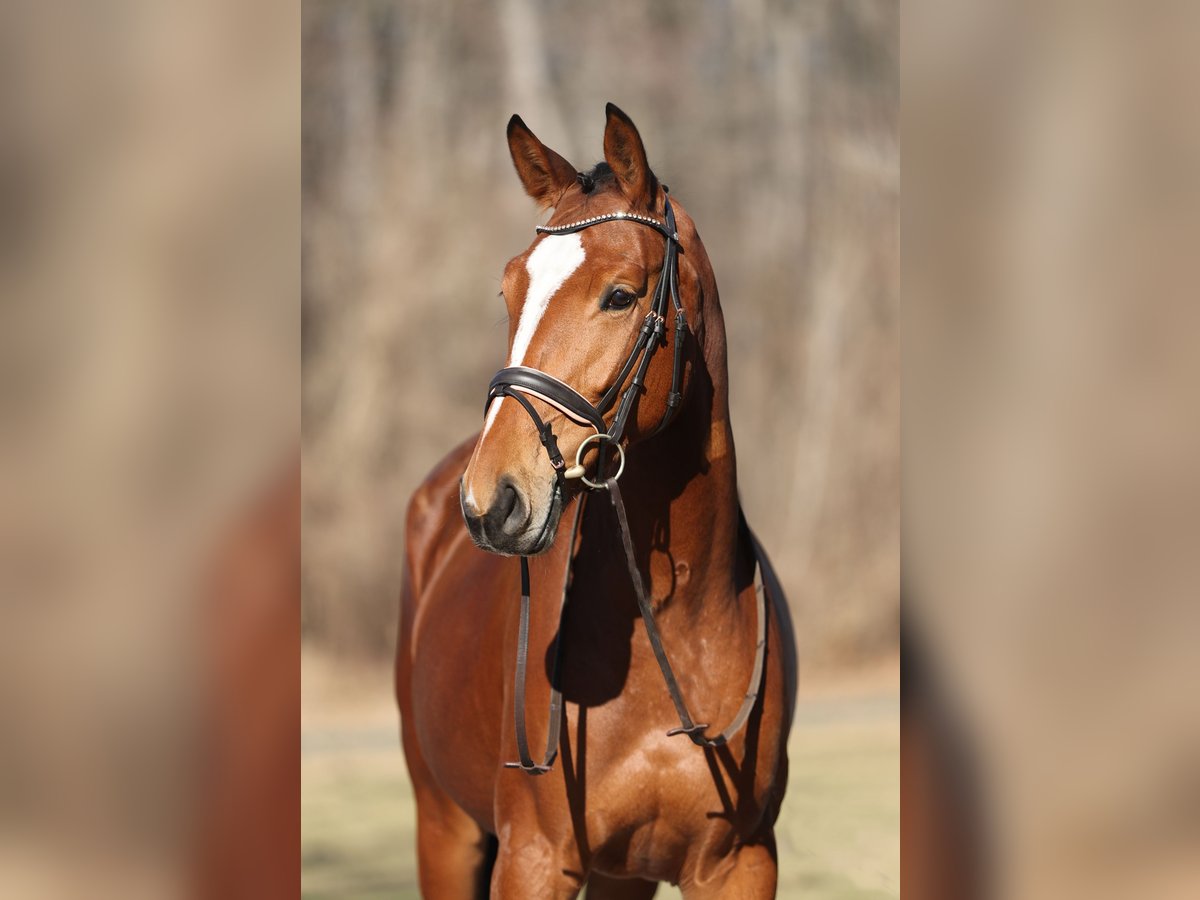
x,y
626,156
544,173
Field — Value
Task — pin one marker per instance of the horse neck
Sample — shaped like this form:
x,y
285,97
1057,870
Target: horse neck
x,y
681,489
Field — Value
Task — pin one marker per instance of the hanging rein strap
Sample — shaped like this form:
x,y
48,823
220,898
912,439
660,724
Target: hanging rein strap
x,y
554,718
767,581
687,725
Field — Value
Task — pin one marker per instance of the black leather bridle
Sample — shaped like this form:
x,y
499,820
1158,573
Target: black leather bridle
x,y
522,383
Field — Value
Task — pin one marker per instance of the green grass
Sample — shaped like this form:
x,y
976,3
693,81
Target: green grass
x,y
838,832
357,824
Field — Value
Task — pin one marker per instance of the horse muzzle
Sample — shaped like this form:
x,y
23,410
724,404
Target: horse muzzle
x,y
511,525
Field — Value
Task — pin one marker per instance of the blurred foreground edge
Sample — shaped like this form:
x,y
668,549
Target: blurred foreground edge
x,y
941,826
248,841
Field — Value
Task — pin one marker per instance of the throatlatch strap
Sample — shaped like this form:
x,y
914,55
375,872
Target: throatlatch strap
x,y
687,726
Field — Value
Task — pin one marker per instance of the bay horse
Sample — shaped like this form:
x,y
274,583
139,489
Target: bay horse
x,y
622,800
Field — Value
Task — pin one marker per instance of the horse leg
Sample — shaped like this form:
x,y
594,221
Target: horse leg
x,y
453,853
453,858
527,865
752,876
604,887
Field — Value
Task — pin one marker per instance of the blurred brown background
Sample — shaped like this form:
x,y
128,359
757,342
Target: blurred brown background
x,y
774,123
149,407
1052,495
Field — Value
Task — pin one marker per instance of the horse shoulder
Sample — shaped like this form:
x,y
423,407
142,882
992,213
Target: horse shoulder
x,y
433,517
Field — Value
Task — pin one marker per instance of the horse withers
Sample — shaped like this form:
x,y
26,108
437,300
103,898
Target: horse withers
x,y
624,797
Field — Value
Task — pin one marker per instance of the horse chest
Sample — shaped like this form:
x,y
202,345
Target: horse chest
x,y
649,800
648,810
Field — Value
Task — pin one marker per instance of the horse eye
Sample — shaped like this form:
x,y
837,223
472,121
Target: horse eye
x,y
618,299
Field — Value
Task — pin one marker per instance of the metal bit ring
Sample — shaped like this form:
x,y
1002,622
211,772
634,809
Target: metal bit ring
x,y
578,470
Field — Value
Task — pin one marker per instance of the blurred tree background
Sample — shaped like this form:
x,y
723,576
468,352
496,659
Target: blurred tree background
x,y
774,123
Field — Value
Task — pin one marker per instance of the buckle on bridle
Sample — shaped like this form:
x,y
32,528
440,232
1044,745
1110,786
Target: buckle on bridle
x,y
528,769
696,733
660,328
578,470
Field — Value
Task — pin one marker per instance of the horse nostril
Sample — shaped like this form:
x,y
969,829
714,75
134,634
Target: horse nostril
x,y
509,513
508,502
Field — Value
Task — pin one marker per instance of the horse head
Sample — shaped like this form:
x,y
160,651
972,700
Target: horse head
x,y
588,307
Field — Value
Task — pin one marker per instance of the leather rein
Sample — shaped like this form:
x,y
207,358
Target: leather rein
x,y
521,383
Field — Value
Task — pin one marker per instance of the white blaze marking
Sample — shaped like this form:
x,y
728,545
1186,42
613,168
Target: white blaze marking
x,y
549,266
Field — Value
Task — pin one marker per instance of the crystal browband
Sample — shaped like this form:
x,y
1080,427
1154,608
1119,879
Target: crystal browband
x,y
609,217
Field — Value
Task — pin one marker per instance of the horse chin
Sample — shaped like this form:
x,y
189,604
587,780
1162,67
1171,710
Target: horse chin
x,y
544,539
